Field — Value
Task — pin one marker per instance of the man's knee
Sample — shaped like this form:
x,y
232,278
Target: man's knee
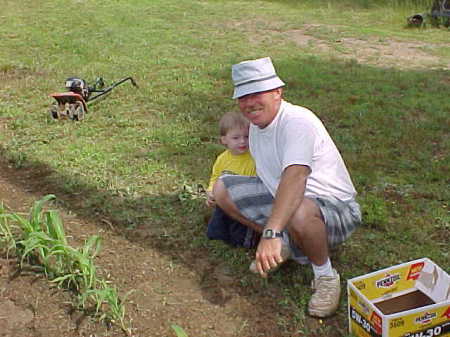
x,y
306,219
220,192
307,210
301,226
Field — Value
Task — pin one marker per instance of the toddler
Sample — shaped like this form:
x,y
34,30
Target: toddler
x,y
236,159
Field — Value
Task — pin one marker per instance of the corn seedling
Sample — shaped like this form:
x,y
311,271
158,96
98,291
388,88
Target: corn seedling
x,y
7,238
42,240
106,295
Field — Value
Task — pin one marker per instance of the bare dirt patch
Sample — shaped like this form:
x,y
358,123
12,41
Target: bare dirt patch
x,y
373,51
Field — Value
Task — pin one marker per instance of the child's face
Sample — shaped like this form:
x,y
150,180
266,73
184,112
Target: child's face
x,y
236,140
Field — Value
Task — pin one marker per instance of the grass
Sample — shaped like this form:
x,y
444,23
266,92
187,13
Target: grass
x,y
141,156
40,240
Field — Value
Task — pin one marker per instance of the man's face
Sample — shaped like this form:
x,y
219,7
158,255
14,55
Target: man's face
x,y
261,108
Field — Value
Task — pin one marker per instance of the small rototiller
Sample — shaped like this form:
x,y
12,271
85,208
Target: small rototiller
x,y
73,103
440,14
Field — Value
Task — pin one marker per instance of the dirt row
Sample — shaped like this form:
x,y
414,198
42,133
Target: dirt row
x,y
197,295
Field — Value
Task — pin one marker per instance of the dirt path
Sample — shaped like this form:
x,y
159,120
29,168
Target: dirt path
x,y
373,50
204,300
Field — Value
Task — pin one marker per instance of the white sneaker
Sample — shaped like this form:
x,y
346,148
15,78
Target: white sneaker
x,y
325,299
286,253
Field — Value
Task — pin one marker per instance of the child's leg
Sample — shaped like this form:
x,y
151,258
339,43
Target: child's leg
x,y
217,226
223,227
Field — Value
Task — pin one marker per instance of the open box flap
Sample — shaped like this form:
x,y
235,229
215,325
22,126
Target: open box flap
x,y
434,282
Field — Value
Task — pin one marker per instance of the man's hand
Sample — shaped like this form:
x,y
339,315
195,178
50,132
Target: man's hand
x,y
210,201
288,199
268,255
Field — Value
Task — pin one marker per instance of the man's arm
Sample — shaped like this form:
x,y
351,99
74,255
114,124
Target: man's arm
x,y
288,198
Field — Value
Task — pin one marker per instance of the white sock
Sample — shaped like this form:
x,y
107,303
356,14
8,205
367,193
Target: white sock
x,y
324,270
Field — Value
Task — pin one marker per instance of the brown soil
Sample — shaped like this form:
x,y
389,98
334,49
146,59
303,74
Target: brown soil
x,y
188,291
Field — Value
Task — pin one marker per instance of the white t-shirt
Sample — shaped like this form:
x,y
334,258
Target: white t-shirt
x,y
297,137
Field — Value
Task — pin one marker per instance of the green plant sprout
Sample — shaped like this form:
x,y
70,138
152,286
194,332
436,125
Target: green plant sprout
x,y
41,240
179,331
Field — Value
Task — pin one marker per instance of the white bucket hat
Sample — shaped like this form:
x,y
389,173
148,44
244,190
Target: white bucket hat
x,y
254,76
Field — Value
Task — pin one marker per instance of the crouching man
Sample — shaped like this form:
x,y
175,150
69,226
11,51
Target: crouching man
x,y
302,199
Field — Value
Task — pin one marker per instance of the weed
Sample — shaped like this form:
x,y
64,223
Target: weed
x,y
374,211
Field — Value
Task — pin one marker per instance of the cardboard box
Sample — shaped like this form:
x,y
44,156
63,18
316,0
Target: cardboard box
x,y
408,300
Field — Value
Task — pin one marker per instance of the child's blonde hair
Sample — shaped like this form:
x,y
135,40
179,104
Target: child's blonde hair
x,y
231,120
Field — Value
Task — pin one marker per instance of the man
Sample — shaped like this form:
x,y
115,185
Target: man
x,y
302,200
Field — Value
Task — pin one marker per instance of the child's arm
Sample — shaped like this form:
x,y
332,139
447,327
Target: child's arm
x,y
216,172
210,201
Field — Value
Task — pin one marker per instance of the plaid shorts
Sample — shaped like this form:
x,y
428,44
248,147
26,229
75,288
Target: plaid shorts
x,y
254,201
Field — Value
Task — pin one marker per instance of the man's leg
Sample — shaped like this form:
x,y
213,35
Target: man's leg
x,y
224,201
309,232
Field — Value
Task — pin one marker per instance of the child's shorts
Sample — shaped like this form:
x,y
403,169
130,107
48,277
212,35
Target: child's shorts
x,y
222,227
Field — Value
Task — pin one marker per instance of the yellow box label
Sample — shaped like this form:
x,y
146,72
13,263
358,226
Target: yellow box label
x,y
364,322
361,326
429,323
389,281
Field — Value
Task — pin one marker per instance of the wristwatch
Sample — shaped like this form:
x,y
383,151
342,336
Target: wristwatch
x,y
269,233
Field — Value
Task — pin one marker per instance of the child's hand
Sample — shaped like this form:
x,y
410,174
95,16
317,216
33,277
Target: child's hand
x,y
210,201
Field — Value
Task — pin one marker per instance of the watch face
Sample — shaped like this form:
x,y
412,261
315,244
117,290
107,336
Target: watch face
x,y
271,234
268,234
